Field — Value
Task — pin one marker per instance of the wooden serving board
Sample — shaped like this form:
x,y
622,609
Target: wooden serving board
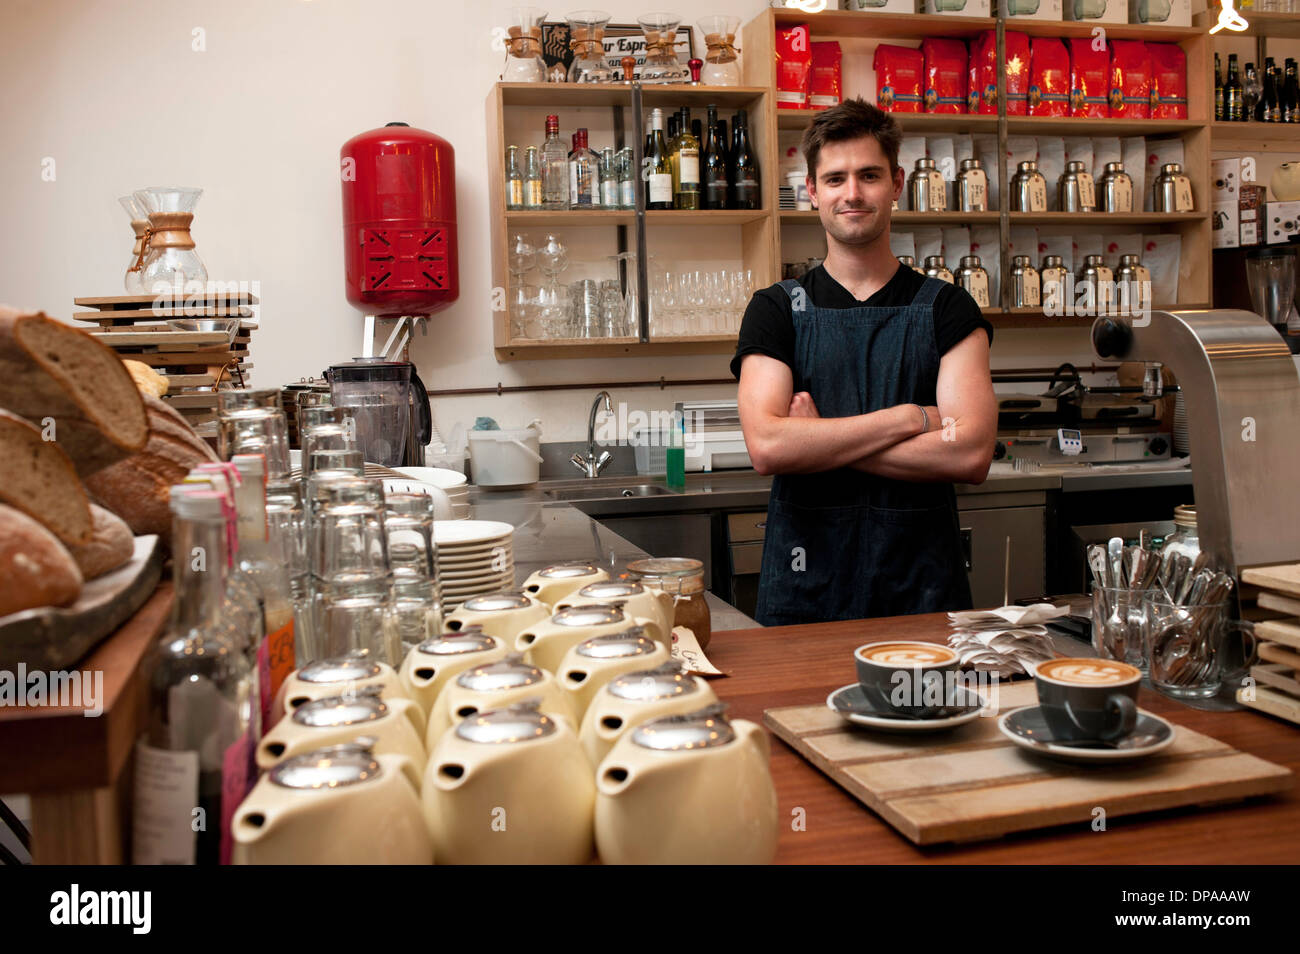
x,y
1275,703
191,399
1277,676
127,316
160,340
1284,578
1279,603
1275,653
1285,631
128,302
972,783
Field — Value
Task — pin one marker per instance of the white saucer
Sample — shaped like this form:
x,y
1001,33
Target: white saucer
x,y
466,533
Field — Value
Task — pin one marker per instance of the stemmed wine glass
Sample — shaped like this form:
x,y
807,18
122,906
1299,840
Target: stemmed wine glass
x,y
523,297
552,260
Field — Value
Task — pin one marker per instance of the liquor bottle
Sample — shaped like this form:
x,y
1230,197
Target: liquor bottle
x,y
1233,103
532,179
626,178
1218,90
264,560
555,168
1290,94
658,168
1269,109
584,174
744,167
687,188
713,166
608,179
196,764
514,179
1252,92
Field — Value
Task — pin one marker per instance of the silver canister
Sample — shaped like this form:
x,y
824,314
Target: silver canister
x,y
1115,190
1173,190
925,189
1026,287
935,268
972,187
972,276
1096,279
1133,286
1075,191
1055,285
1028,188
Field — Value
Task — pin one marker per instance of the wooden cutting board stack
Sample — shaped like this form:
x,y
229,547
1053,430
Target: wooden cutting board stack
x,y
192,361
1277,677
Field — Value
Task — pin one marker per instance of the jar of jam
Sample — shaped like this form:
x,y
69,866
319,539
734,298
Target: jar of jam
x,y
684,578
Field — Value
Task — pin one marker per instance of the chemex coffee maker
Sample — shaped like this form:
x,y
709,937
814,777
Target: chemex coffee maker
x,y
389,407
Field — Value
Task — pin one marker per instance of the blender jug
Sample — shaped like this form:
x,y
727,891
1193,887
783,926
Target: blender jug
x,y
1270,276
389,408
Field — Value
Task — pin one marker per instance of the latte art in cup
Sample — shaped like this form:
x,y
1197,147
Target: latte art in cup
x,y
1089,672
907,654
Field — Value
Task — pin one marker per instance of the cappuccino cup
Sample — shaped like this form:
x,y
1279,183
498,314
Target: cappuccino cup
x,y
905,676
1087,699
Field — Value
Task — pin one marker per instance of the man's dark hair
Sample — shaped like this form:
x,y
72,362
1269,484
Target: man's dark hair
x,y
852,119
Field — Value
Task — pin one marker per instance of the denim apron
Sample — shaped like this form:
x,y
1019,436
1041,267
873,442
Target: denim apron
x,y
843,544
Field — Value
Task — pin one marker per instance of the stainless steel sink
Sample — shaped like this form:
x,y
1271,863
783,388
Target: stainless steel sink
x,y
606,493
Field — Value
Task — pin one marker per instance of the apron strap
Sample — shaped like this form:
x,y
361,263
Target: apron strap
x,y
790,284
929,291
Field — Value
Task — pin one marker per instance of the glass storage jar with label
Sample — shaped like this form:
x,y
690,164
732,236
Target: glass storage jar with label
x,y
684,578
1184,540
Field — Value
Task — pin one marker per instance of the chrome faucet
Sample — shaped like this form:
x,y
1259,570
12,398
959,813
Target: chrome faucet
x,y
589,463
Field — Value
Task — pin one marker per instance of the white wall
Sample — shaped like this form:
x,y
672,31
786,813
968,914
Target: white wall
x,y
116,95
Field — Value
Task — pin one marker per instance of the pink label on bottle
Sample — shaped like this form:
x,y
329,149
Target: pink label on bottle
x,y
236,782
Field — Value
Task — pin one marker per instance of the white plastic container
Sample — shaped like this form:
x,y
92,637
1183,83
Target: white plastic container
x,y
507,458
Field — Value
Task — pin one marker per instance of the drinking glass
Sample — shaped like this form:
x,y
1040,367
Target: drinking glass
x,y
585,298
318,415
1118,624
357,613
612,310
1187,645
408,520
255,430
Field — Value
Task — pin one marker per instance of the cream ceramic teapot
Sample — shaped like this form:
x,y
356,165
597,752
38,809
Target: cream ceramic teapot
x,y
632,698
394,723
332,676
339,805
491,686
687,789
499,614
510,786
593,662
429,666
554,583
637,599
544,644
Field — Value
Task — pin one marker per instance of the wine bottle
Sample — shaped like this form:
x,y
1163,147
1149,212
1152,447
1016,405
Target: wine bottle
x,y
1269,109
713,166
686,192
658,168
1218,90
1233,96
1290,94
744,167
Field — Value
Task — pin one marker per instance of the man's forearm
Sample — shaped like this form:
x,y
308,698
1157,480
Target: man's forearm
x,y
951,454
803,445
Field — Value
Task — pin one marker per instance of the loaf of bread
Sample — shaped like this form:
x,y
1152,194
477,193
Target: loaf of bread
x,y
112,545
147,380
35,568
138,489
37,478
52,374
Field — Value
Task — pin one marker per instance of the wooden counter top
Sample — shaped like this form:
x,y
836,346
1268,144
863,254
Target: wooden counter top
x,y
800,665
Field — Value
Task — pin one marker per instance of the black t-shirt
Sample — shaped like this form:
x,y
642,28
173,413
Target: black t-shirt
x,y
768,326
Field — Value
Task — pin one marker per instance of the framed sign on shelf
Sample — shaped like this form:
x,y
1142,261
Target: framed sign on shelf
x,y
620,40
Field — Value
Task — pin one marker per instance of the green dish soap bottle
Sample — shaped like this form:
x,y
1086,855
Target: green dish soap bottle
x,y
676,453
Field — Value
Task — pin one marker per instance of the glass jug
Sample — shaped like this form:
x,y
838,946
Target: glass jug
x,y
172,261
587,40
721,62
140,225
524,63
379,395
661,63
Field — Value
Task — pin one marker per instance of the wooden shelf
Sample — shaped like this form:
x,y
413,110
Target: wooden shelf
x,y
913,219
1087,219
846,24
1066,29
1285,25
1254,137
1089,126
676,95
921,124
705,216
579,218
530,349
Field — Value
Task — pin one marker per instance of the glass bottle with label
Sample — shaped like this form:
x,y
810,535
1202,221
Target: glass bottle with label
x,y
626,178
744,167
514,179
659,176
1233,95
555,168
713,165
532,179
686,194
1290,94
584,174
608,179
197,759
1218,90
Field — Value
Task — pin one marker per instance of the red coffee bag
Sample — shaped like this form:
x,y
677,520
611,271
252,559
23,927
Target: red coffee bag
x,y
1049,77
1168,81
898,78
793,63
983,73
824,83
945,75
1130,80
1089,89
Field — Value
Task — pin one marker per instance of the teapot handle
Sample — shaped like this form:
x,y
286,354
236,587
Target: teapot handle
x,y
414,715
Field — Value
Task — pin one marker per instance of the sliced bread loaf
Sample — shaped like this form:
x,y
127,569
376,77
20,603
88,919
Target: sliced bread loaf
x,y
112,545
35,568
37,478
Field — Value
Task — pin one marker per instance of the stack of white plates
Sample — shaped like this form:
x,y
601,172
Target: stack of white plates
x,y
474,557
453,484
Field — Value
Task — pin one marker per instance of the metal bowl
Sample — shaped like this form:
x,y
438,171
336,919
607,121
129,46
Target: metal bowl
x,y
227,326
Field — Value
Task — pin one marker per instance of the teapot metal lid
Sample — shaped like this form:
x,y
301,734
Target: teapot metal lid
x,y
508,673
365,705
662,682
520,722
589,614
611,590
496,602
633,641
347,667
702,729
329,767
471,639
566,571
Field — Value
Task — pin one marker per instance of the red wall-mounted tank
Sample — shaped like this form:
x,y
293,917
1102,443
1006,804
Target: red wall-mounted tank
x,y
399,221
